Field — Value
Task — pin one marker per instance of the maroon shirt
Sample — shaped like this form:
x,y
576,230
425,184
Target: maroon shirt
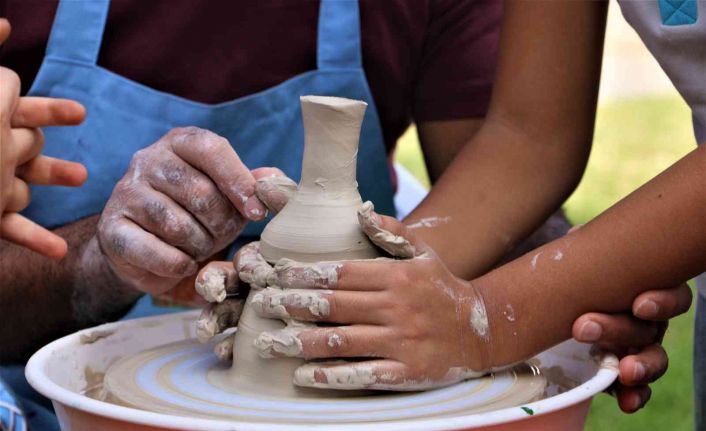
x,y
424,59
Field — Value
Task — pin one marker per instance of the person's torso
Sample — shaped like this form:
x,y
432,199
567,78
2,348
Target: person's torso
x,y
226,49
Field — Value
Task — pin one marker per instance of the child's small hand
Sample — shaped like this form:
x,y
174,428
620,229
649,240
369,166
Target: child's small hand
x,y
21,142
419,326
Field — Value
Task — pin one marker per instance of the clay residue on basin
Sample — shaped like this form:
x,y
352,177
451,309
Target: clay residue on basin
x,y
94,384
557,381
93,336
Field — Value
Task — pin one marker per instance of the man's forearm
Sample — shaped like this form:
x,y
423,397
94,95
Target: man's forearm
x,y
654,238
42,299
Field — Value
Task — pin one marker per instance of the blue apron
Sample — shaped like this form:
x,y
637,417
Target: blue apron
x,y
265,128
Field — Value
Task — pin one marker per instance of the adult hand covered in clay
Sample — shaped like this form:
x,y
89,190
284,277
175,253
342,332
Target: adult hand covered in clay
x,y
420,326
183,198
21,163
218,282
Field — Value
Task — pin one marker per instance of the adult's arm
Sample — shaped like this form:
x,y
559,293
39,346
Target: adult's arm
x,y
182,200
530,152
43,299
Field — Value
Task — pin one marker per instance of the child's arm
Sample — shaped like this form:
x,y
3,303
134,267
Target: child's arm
x,y
654,238
430,328
532,148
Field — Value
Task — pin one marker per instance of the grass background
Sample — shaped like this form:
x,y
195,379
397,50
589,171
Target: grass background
x,y
635,139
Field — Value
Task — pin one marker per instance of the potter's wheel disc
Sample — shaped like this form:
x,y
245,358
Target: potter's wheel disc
x,y
179,379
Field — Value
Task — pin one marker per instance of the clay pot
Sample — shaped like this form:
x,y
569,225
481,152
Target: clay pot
x,y
319,223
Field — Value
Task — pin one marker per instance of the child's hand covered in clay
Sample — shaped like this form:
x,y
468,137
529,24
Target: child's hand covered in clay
x,y
420,326
21,163
442,344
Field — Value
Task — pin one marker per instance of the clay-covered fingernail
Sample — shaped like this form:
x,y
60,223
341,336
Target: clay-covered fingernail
x,y
254,209
590,331
290,274
647,308
278,343
212,285
639,372
366,212
309,376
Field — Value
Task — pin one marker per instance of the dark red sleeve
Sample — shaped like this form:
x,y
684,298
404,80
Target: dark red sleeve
x,y
458,61
31,22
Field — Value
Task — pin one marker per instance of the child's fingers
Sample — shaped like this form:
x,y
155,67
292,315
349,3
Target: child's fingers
x,y
663,304
22,231
389,233
251,267
33,112
216,280
45,170
19,198
26,144
376,374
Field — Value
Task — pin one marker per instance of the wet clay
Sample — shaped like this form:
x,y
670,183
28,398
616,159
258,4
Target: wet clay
x,y
185,378
318,223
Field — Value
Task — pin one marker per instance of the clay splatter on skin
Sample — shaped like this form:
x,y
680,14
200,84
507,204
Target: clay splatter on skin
x,y
273,302
355,376
293,275
558,255
252,267
284,342
94,336
339,377
533,262
335,340
443,287
479,319
509,313
429,222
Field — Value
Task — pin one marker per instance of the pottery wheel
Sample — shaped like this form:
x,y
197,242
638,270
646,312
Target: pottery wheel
x,y
183,379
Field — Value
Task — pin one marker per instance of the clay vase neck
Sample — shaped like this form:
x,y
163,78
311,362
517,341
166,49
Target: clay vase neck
x,y
319,223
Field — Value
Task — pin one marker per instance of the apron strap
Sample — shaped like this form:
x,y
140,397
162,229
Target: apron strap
x,y
338,44
77,31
